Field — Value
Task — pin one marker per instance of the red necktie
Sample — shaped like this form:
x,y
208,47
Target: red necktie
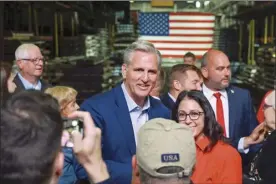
x,y
220,114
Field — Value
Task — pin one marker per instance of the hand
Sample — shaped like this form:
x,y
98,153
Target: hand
x,y
88,149
65,137
256,137
11,86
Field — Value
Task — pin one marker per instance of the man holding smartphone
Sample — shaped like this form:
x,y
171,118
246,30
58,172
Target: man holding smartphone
x,y
31,129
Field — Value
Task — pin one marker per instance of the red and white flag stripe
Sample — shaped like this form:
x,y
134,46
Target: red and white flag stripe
x,y
188,32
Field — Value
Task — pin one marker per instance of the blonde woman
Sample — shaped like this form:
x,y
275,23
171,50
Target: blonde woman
x,y
66,97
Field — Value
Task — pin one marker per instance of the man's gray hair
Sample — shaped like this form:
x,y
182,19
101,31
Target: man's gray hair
x,y
22,51
143,46
145,178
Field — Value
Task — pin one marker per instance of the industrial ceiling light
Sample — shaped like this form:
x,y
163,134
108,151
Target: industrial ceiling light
x,y
206,3
131,1
198,4
190,1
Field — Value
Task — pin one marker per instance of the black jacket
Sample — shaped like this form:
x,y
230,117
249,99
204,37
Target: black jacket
x,y
20,86
266,164
167,101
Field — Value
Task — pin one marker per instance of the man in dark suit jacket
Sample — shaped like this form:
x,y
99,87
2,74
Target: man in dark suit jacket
x,y
30,63
122,111
182,77
233,106
20,86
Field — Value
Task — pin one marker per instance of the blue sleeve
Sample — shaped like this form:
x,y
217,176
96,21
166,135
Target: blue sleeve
x,y
119,172
68,173
250,122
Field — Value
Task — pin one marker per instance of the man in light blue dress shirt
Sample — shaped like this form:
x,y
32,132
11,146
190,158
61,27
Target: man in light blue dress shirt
x,y
120,112
30,63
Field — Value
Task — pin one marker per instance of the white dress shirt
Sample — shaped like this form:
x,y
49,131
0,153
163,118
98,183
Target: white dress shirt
x,y
138,115
156,97
174,100
209,94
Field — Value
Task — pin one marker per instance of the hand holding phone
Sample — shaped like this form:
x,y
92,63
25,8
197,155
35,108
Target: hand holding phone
x,y
70,125
87,148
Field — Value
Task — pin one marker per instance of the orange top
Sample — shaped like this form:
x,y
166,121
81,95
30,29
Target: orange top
x,y
221,165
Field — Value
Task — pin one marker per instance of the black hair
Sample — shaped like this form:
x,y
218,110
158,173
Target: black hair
x,y
190,54
31,129
212,129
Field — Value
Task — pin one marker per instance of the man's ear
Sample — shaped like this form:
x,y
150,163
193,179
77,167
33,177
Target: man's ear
x,y
124,70
176,85
204,72
20,64
58,165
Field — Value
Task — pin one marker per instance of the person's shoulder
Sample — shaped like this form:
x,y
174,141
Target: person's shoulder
x,y
271,139
17,81
155,103
101,98
164,96
240,93
160,109
45,85
225,151
238,90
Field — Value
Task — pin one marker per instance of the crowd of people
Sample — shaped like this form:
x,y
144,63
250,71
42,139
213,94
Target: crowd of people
x,y
203,130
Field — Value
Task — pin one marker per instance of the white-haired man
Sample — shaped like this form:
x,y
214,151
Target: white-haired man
x,y
30,62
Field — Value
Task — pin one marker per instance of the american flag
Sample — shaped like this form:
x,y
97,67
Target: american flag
x,y
175,34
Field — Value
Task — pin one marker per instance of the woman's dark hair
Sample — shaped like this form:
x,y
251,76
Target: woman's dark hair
x,y
212,129
5,74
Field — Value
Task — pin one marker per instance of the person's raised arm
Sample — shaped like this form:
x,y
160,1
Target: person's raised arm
x,y
87,148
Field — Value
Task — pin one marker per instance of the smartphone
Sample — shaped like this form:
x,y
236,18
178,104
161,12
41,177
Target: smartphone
x,y
71,125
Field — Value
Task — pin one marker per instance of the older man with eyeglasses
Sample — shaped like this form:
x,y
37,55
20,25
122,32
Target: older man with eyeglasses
x,y
30,63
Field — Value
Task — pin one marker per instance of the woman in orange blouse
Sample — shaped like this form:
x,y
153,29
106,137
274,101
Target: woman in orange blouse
x,y
217,161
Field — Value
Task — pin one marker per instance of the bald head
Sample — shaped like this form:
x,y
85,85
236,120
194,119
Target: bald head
x,y
212,56
216,70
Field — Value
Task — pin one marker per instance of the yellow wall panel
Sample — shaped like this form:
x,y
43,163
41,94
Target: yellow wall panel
x,y
162,3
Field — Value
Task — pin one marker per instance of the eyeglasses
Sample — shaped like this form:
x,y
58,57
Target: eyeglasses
x,y
34,61
182,116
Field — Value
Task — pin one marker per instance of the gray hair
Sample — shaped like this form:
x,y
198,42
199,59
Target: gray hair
x,y
145,178
144,46
22,51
